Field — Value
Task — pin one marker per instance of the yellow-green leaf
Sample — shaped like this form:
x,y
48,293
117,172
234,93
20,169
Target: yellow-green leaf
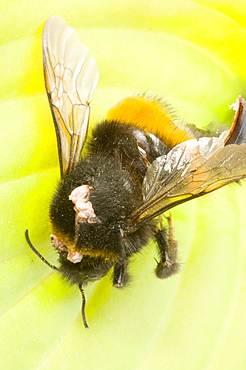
x,y
192,53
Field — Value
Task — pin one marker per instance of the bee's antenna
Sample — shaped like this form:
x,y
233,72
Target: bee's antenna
x,y
37,253
83,307
57,269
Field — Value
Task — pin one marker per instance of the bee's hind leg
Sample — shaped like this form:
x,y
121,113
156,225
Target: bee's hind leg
x,y
168,248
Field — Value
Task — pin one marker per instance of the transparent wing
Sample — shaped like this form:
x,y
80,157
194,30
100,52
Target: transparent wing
x,y
71,75
191,169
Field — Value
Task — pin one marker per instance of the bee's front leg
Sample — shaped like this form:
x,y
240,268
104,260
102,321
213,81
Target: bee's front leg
x,y
168,248
121,276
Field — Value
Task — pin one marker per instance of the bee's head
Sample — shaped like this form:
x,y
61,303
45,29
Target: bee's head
x,y
89,257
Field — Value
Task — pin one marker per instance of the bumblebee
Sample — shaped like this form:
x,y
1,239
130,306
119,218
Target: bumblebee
x,y
136,165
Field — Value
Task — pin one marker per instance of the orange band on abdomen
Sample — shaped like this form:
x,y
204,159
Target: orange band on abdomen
x,y
149,115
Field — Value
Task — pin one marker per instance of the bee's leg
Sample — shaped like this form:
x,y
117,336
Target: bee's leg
x,y
121,276
168,248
